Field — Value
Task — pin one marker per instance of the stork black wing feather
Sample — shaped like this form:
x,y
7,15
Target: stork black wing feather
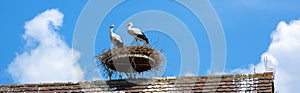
x,y
142,36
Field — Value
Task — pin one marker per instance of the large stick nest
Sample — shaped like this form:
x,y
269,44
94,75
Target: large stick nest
x,y
131,59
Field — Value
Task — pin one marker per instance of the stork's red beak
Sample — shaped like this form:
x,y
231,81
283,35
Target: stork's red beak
x,y
128,24
111,26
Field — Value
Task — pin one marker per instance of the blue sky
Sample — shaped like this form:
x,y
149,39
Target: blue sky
x,y
247,27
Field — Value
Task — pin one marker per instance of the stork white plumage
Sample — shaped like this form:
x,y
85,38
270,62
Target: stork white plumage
x,y
115,39
137,34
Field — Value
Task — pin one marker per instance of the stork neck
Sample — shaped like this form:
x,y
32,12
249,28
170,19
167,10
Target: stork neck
x,y
111,30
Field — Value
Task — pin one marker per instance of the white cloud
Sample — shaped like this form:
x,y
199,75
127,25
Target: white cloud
x,y
284,53
46,57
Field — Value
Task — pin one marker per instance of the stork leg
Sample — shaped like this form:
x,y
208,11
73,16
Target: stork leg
x,y
136,41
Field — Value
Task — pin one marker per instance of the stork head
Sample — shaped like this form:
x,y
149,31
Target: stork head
x,y
129,24
112,26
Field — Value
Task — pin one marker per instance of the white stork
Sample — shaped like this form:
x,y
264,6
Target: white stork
x,y
115,39
137,34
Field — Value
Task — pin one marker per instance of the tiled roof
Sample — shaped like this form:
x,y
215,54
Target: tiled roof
x,y
260,82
